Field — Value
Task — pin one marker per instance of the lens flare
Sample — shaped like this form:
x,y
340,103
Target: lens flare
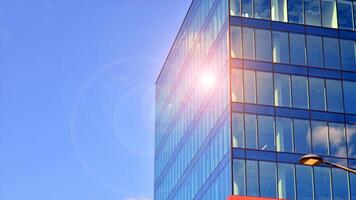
x,y
207,80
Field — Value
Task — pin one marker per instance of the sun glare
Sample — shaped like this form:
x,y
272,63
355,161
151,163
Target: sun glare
x,y
207,80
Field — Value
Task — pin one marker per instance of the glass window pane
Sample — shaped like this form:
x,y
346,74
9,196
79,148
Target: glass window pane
x,y
236,42
268,179
236,85
315,51
296,11
350,97
348,59
337,140
300,92
334,95
279,10
238,130
263,45
264,88
286,182
329,16
353,186
235,6
252,178
302,137
297,49
312,12
251,131
322,183
262,9
284,131
331,53
239,177
351,141
249,86
317,94
320,138
280,47
266,133
246,8
282,90
304,176
344,9
248,43
340,184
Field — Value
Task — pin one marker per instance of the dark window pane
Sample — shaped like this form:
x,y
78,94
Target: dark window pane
x,y
351,141
268,179
251,131
235,7
286,188
266,133
246,9
282,90
331,53
238,130
252,178
297,49
322,183
315,51
237,85
239,177
263,45
296,11
248,43
334,95
348,59
300,92
304,178
284,131
236,42
249,87
340,184
345,14
312,12
264,88
262,9
317,94
337,140
320,138
302,136
280,47
350,97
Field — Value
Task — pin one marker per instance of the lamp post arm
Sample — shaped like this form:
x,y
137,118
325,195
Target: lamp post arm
x,y
340,166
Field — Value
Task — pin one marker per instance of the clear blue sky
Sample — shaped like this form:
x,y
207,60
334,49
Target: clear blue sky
x,y
77,98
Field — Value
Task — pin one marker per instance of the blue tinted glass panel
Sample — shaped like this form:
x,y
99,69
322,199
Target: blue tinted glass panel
x,y
329,15
315,51
345,14
353,186
320,137
248,43
348,59
317,94
331,53
300,92
246,8
238,130
334,95
235,6
282,90
280,47
340,184
266,133
252,185
286,181
337,140
236,42
350,97
268,179
239,177
304,176
297,49
262,9
296,11
312,12
264,88
322,183
251,131
351,140
284,134
249,86
302,136
263,45
236,85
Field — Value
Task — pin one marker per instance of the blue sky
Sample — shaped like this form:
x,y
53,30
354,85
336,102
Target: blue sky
x,y
77,96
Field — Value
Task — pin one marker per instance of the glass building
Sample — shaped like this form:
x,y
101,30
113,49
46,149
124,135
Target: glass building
x,y
250,86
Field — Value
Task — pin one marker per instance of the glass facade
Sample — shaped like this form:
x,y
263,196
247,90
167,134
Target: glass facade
x,y
282,84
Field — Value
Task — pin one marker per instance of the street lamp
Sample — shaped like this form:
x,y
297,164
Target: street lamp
x,y
314,160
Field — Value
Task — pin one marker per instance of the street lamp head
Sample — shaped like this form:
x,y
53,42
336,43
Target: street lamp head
x,y
311,160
